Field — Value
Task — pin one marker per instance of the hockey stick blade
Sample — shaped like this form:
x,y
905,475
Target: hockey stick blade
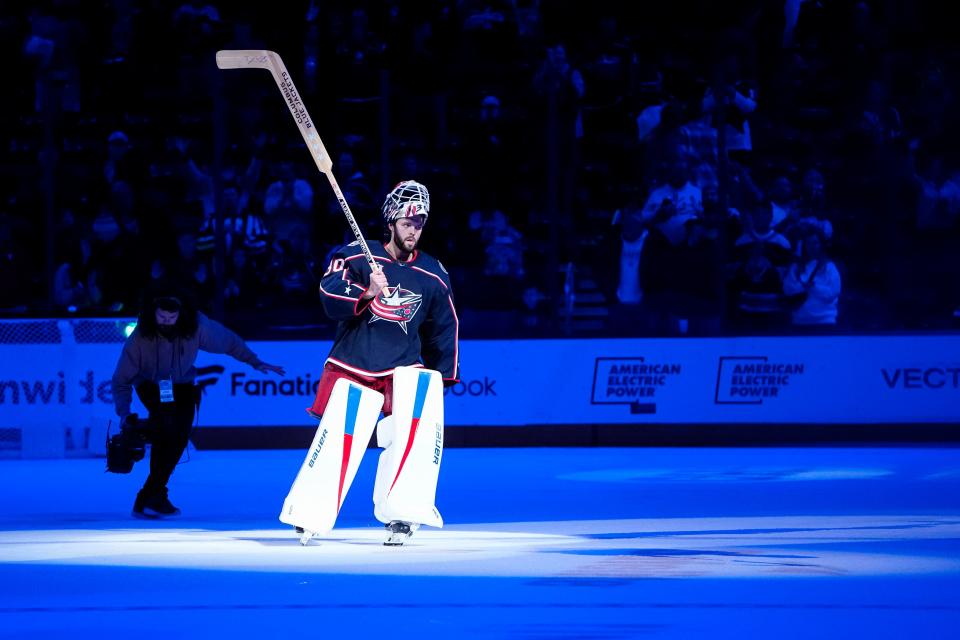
x,y
243,59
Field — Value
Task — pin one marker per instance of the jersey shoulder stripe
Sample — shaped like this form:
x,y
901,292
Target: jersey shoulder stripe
x,y
431,266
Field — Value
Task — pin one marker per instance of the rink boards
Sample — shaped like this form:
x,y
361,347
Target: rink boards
x,y
811,380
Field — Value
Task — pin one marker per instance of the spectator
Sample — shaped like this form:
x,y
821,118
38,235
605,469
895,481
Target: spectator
x,y
123,163
561,88
811,210
246,282
70,287
288,205
503,244
488,149
731,102
243,228
354,184
782,204
51,46
756,293
632,237
194,267
879,120
677,197
814,284
193,184
938,195
699,140
720,222
649,117
502,247
935,232
292,272
756,287
113,264
557,77
661,267
760,233
668,208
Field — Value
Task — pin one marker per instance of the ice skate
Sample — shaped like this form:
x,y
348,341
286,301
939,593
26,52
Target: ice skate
x,y
305,536
400,532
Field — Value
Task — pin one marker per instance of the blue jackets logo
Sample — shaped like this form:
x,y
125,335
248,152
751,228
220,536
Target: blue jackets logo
x,y
396,305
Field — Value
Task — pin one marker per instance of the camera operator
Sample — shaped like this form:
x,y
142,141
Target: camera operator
x,y
158,361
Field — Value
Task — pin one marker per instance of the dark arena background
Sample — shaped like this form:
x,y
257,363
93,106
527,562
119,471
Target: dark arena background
x,y
705,263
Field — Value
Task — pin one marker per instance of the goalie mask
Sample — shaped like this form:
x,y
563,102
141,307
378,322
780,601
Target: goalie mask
x,y
409,198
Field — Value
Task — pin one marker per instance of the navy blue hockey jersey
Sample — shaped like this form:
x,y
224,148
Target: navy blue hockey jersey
x,y
412,320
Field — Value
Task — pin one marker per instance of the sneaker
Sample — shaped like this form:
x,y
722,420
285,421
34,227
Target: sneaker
x,y
152,506
399,532
139,507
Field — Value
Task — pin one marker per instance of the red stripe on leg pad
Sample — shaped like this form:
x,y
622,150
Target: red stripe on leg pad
x,y
347,443
406,451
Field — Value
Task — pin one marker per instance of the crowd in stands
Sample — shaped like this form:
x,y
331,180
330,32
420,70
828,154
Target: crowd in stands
x,y
688,168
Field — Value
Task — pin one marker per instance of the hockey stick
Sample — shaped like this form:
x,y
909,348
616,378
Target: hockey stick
x,y
255,59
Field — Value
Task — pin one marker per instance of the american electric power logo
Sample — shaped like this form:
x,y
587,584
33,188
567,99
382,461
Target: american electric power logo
x,y
631,381
753,379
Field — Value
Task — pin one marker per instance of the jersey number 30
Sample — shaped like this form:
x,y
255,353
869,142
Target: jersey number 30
x,y
336,264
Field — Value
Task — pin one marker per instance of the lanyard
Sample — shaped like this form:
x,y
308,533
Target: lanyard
x,y
173,349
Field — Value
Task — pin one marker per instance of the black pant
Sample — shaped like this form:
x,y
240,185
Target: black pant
x,y
170,429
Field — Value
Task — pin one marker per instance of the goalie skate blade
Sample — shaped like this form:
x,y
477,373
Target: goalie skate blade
x,y
400,532
305,538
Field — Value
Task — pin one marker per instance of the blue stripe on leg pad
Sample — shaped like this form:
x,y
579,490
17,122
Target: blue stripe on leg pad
x,y
353,407
423,383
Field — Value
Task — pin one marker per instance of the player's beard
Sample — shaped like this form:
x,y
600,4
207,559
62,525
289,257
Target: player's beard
x,y
404,247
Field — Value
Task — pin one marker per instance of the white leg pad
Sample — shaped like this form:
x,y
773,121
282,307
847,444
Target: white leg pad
x,y
412,438
333,459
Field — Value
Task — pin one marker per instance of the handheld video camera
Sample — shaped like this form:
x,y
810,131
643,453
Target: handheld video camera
x,y
129,445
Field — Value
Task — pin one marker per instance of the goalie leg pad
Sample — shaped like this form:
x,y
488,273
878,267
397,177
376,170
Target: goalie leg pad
x,y
412,438
334,456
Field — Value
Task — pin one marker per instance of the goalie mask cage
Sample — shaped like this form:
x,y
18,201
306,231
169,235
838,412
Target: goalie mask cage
x,y
45,419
